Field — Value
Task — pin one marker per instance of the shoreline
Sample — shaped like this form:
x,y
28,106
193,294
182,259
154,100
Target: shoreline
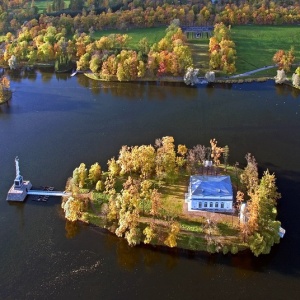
x,y
235,79
164,248
179,79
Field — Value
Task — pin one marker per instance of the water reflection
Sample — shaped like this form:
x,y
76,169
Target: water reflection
x,y
72,229
286,90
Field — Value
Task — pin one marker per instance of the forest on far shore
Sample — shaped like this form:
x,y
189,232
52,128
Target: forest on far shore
x,y
102,14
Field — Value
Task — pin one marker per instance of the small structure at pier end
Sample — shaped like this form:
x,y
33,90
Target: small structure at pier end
x,y
20,188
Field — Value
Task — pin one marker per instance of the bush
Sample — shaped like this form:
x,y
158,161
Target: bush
x,y
234,249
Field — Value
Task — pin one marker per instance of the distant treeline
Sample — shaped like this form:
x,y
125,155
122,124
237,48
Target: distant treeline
x,y
123,14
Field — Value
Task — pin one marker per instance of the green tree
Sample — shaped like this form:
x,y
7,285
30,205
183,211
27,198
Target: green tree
x,y
76,4
226,155
249,176
58,5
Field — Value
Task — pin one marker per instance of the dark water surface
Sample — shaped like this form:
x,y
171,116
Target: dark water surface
x,y
55,123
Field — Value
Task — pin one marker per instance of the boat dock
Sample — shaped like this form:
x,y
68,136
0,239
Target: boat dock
x,y
48,193
21,188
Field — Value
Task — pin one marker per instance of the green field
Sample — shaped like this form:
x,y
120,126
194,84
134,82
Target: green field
x,y
199,48
256,45
152,34
42,4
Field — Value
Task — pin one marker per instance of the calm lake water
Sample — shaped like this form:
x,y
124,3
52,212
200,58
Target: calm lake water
x,y
54,123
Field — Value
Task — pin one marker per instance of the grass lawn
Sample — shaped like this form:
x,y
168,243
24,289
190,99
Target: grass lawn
x,y
42,4
256,45
153,35
199,48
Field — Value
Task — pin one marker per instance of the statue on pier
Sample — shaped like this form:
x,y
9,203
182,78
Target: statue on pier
x,y
17,166
19,179
20,187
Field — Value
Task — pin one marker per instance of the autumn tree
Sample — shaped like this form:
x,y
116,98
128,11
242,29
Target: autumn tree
x,y
113,167
284,59
215,151
249,176
222,49
146,156
174,229
196,157
5,92
165,158
260,229
266,232
128,216
94,173
181,159
149,233
72,208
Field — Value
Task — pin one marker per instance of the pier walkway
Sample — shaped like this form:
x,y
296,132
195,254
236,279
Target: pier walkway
x,y
48,193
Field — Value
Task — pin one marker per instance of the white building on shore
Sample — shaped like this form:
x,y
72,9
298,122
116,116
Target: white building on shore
x,y
210,193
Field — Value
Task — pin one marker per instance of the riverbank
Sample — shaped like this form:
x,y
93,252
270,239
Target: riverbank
x,y
179,79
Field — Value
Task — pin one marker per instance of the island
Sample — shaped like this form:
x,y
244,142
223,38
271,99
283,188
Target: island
x,y
176,197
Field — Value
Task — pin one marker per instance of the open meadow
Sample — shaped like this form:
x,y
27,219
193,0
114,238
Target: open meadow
x,y
256,45
42,4
153,35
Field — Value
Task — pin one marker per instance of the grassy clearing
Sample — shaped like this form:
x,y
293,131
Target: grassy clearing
x,y
191,226
199,48
153,35
256,45
42,4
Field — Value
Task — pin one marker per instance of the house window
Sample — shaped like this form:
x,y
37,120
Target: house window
x,y
211,204
200,205
222,204
217,205
205,204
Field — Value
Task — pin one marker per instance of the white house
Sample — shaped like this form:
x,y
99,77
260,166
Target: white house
x,y
210,193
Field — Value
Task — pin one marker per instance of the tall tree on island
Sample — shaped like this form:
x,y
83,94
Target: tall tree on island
x,y
261,228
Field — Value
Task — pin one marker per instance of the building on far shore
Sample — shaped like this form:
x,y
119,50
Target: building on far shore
x,y
210,193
